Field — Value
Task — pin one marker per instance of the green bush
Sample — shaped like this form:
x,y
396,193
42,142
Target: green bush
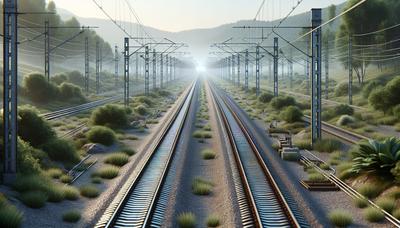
x,y
144,100
102,135
10,217
316,177
374,215
89,191
25,183
292,114
396,213
54,173
66,179
70,91
128,151
360,202
396,111
27,163
377,156
61,150
141,110
342,89
187,220
97,180
58,79
369,87
343,109
340,218
38,89
279,103
327,145
265,97
117,159
33,128
34,199
386,98
71,216
114,116
345,120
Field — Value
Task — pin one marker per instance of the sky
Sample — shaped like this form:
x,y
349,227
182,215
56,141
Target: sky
x,y
179,15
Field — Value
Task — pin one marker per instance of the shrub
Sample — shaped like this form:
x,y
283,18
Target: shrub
x,y
27,163
10,216
340,218
396,213
61,150
265,97
361,202
396,111
369,87
213,221
97,180
58,79
208,154
33,128
377,156
71,216
54,173
71,193
128,151
343,109
385,98
280,102
102,135
369,190
66,179
117,159
108,172
374,215
141,110
386,204
89,191
38,89
114,116
70,91
345,120
34,199
25,183
292,114
187,220
303,144
55,193
201,186
327,145
342,89
144,100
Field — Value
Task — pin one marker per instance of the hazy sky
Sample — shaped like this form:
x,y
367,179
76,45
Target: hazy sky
x,y
177,15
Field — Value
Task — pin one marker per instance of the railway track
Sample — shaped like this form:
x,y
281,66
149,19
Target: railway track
x,y
136,203
269,207
341,133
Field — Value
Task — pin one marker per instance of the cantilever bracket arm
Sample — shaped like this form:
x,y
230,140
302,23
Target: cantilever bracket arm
x,y
287,41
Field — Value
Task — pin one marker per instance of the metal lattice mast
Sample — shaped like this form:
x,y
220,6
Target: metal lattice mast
x,y
161,70
350,66
137,67
146,68
258,58
126,71
316,108
10,85
166,68
276,58
97,68
291,68
174,65
270,69
47,50
116,66
170,68
229,68
154,69
327,69
238,70
233,68
246,71
308,67
87,65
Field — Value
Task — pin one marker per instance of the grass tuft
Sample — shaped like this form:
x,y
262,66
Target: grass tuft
x,y
66,179
340,218
386,204
55,194
213,221
108,172
373,214
117,159
89,191
187,220
369,190
71,193
54,173
360,202
201,187
97,180
10,216
128,151
71,216
208,154
316,177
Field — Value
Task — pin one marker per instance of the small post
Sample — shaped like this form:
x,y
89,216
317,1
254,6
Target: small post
x,y
276,58
246,71
87,65
146,74
126,71
97,68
